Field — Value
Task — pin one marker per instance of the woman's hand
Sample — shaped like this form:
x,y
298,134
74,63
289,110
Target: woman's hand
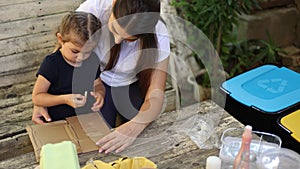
x,y
38,113
99,101
99,94
121,137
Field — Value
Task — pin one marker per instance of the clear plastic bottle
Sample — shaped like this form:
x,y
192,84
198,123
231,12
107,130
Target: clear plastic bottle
x,y
242,160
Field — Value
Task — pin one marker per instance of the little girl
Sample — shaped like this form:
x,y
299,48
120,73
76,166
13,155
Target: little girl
x,y
53,95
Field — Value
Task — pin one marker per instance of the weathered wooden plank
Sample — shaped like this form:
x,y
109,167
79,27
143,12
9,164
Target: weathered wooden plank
x,y
19,76
25,161
23,60
17,107
17,100
13,138
14,146
16,113
13,128
33,9
11,95
187,160
170,102
30,26
27,43
10,2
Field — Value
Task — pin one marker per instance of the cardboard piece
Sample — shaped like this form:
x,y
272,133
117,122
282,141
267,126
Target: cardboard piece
x,y
83,131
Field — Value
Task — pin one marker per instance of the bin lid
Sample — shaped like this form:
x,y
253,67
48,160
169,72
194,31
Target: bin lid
x,y
268,88
291,122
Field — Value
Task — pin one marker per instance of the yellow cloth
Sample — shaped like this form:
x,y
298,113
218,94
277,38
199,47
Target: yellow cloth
x,y
123,163
61,155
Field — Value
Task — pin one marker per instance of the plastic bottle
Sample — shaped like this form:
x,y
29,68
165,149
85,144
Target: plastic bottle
x,y
242,160
213,162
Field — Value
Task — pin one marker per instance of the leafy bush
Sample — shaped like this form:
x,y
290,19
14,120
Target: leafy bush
x,y
216,18
247,54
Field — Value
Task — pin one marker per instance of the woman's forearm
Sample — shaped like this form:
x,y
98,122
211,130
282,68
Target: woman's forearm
x,y
151,108
154,99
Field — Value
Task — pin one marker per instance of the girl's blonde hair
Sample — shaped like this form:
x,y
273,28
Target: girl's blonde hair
x,y
78,27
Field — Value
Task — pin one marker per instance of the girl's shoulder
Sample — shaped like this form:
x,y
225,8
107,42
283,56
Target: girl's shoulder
x,y
54,58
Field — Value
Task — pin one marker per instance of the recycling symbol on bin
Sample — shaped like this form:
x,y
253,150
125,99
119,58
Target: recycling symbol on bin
x,y
273,85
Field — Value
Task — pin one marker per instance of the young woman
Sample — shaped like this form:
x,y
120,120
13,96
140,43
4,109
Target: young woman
x,y
53,93
133,68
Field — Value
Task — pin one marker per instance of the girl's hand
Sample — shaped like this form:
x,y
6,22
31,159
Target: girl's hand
x,y
75,100
38,113
99,101
121,137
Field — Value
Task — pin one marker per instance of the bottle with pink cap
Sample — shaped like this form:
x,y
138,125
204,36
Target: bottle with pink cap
x,y
242,160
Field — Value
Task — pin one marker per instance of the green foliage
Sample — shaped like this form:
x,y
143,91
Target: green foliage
x,y
243,55
215,18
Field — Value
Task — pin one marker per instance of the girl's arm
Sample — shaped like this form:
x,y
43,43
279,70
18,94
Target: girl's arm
x,y
38,113
40,97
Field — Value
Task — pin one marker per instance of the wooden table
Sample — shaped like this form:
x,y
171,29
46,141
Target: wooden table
x,y
166,141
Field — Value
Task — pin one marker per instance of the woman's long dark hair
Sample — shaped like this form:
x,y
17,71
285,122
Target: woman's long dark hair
x,y
138,18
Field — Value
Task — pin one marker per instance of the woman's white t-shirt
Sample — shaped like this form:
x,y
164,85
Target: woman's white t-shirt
x,y
124,71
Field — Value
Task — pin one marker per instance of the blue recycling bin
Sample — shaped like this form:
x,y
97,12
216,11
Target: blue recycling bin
x,y
260,96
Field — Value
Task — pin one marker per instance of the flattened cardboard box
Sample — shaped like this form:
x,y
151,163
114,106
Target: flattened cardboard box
x,y
83,130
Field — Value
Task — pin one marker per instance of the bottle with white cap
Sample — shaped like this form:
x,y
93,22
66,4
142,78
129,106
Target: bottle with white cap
x,y
213,162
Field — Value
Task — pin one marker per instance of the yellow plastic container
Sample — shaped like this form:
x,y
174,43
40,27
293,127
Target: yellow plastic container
x,y
291,123
289,129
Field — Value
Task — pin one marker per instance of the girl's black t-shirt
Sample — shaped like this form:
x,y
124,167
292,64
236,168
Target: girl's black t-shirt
x,y
66,79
